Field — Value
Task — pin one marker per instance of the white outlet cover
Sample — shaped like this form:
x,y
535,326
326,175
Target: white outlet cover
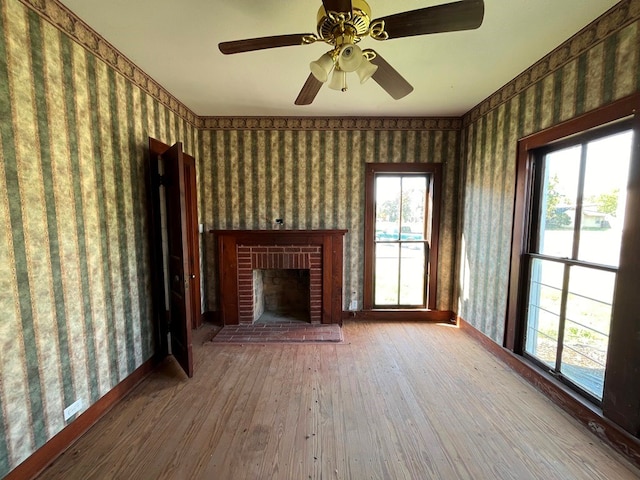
x,y
72,409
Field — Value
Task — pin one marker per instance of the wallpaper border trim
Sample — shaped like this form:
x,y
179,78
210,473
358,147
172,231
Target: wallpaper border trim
x,y
70,24
617,18
330,123
614,20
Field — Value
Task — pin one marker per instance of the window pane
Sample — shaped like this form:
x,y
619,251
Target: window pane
x,y
586,333
413,207
412,275
576,218
388,195
543,312
604,198
558,202
387,268
400,276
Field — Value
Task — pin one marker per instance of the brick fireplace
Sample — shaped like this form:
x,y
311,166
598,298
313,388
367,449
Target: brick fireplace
x,y
265,257
242,252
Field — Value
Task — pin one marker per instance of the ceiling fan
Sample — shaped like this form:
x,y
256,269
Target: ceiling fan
x,y
343,23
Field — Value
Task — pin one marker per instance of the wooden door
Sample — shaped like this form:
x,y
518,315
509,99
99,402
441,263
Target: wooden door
x,y
180,306
171,191
192,238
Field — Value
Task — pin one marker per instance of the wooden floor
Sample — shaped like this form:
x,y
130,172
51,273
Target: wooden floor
x,y
394,401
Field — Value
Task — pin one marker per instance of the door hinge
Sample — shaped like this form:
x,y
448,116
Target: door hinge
x,y
161,179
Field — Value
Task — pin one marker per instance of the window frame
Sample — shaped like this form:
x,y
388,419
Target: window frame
x,y
531,250
621,396
434,170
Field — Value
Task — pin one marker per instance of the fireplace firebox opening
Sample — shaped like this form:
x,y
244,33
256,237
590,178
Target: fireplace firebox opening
x,y
281,295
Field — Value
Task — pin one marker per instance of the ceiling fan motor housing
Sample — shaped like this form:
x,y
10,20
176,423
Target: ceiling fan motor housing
x,y
356,25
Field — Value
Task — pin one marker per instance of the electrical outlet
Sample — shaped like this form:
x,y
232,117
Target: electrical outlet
x,y
353,305
72,409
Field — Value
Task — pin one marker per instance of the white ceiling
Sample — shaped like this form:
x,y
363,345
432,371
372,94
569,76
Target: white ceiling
x,y
175,42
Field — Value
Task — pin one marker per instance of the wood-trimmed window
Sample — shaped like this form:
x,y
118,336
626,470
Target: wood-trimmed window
x,y
411,243
621,390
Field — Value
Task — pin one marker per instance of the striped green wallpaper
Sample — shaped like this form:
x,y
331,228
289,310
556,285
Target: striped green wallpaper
x,y
74,286
74,120
314,179
599,64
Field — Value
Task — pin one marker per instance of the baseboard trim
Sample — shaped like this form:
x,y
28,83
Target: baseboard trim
x,y
586,413
400,315
58,444
422,315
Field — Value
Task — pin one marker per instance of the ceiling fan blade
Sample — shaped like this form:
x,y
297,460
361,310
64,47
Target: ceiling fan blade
x,y
389,79
337,5
251,44
449,17
309,91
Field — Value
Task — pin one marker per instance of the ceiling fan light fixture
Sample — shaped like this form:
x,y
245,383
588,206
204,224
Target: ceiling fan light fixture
x,y
338,80
366,70
342,24
350,57
321,68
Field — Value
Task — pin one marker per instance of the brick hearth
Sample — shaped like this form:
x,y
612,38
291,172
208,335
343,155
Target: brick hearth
x,y
281,333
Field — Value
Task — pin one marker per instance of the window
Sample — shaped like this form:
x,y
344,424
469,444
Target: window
x,y
401,230
572,255
550,300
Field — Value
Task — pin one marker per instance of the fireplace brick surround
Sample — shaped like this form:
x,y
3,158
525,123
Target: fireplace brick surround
x,y
242,251
259,257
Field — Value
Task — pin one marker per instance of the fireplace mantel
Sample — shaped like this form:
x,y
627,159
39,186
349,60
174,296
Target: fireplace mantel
x,y
328,244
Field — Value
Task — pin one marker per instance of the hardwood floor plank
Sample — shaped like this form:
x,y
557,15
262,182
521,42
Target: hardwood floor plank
x,y
396,400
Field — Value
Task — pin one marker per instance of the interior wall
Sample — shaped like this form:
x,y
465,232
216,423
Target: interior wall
x,y
74,268
312,176
598,65
75,117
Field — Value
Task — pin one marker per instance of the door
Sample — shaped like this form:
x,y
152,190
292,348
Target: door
x,y
180,306
192,238
171,189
